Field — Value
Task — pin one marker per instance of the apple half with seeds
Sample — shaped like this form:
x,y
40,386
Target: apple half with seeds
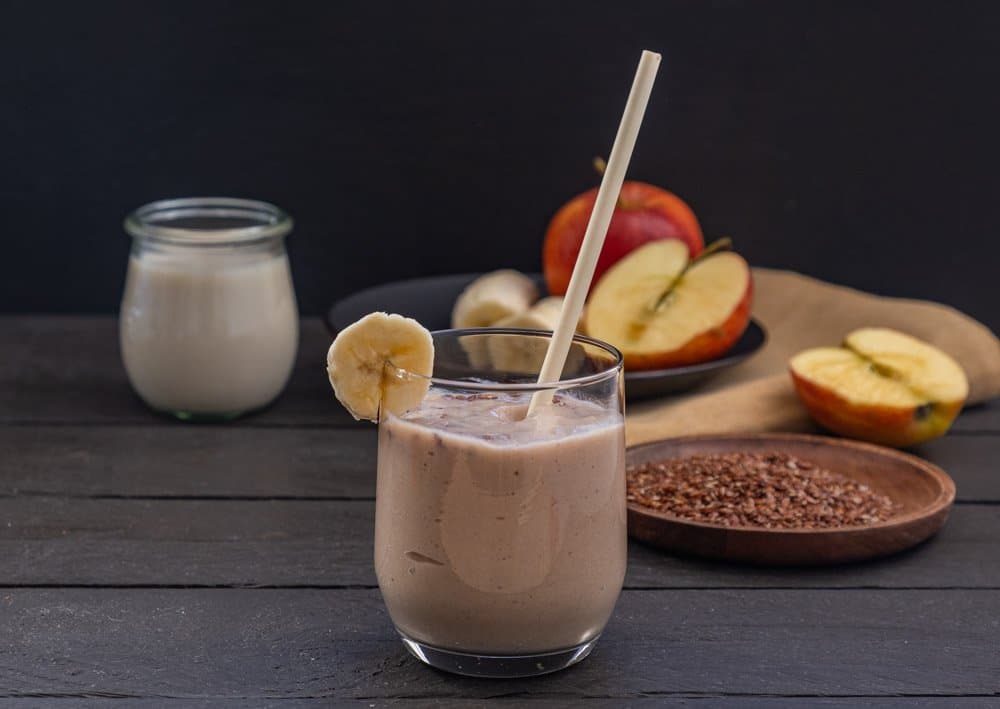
x,y
881,386
663,309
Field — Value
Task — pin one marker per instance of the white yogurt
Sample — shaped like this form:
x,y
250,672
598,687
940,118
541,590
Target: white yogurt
x,y
208,331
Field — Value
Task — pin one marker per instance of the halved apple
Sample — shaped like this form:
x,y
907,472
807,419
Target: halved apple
x,y
881,386
661,315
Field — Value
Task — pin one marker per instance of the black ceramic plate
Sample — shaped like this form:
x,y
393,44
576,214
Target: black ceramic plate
x,y
429,300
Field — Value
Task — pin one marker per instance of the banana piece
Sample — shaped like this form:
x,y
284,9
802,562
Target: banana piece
x,y
358,358
524,355
492,297
543,315
477,351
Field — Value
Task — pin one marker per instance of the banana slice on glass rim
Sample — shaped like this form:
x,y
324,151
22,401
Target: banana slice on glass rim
x,y
356,364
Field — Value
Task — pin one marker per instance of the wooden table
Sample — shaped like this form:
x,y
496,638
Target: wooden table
x,y
181,565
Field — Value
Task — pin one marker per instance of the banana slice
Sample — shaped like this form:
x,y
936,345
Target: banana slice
x,y
543,315
514,354
477,351
524,355
356,364
492,297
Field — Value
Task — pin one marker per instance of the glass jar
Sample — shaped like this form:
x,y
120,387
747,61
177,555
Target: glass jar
x,y
500,539
209,324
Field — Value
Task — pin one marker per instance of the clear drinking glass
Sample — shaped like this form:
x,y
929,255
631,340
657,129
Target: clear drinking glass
x,y
209,325
500,539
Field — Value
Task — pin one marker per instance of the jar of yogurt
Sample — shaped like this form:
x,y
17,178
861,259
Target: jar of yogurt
x,y
209,324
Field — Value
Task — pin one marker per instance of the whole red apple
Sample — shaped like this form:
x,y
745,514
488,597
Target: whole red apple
x,y
644,213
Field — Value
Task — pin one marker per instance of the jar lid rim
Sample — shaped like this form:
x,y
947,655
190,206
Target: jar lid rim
x,y
150,221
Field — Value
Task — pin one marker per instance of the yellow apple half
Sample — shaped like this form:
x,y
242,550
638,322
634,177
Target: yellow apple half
x,y
705,313
881,386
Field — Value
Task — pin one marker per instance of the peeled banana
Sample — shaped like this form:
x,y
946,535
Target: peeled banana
x,y
492,297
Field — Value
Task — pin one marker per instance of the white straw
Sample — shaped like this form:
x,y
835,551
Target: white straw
x,y
597,229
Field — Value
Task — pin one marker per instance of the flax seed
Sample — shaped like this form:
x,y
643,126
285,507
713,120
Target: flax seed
x,y
771,490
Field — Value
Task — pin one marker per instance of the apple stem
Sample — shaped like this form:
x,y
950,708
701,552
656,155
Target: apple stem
x,y
600,165
723,244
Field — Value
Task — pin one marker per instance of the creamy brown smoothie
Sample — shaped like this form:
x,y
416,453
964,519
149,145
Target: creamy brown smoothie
x,y
496,534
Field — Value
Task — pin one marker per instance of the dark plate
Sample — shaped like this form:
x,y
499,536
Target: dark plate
x,y
429,300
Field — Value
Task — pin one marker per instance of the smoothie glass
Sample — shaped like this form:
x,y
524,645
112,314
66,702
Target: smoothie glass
x,y
500,539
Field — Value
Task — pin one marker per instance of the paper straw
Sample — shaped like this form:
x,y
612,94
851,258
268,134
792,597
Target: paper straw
x,y
597,228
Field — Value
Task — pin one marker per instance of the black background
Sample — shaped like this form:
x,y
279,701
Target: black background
x,y
854,141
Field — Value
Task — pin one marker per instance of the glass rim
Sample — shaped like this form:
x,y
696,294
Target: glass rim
x,y
612,370
273,222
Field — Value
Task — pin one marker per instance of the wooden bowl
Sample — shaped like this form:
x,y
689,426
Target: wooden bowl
x,y
922,492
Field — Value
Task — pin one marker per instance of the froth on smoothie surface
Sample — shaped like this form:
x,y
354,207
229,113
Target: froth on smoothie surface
x,y
498,418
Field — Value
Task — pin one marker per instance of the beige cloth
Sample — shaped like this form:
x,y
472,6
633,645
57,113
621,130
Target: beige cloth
x,y
800,312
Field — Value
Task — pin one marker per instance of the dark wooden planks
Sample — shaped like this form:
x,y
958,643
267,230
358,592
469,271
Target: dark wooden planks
x,y
62,523
520,699
707,702
963,554
179,460
308,643
57,369
81,700
56,541
972,460
59,541
984,418
69,370
702,701
236,461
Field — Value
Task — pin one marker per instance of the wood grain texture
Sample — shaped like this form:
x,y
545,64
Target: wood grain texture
x,y
309,643
519,698
57,541
58,369
972,462
69,370
179,460
984,418
184,460
96,491
962,554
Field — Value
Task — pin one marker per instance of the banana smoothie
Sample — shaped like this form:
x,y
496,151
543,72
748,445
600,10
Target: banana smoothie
x,y
497,534
500,536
